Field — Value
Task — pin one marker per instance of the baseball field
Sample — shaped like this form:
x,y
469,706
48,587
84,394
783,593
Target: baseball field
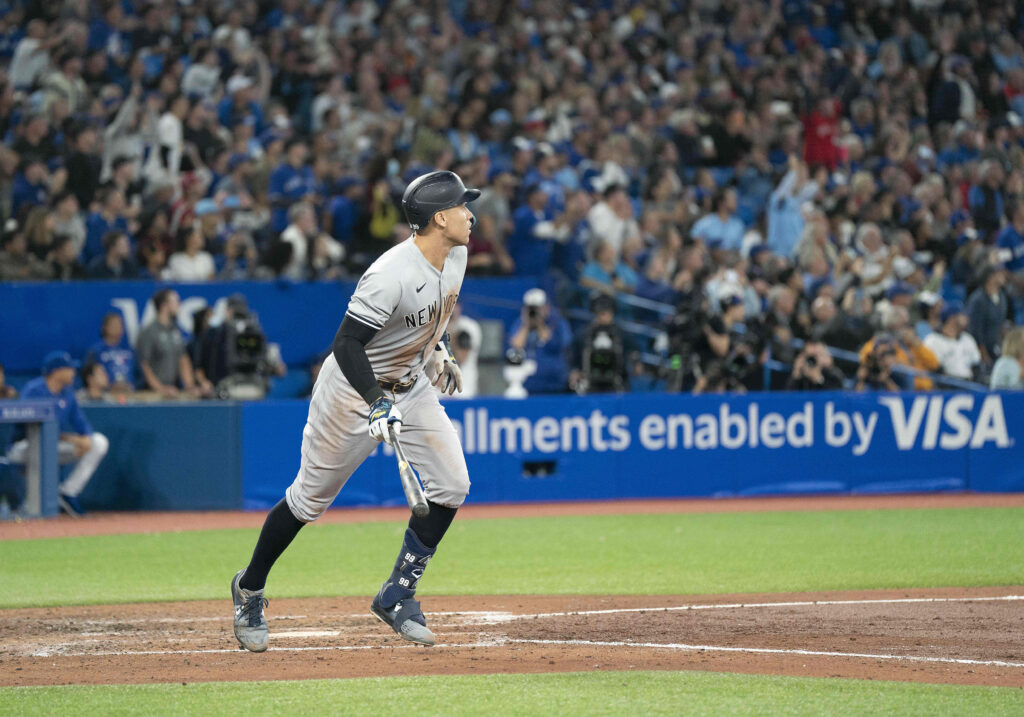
x,y
841,605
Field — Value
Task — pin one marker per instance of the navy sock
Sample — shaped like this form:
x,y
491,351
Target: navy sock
x,y
412,561
432,528
421,540
280,527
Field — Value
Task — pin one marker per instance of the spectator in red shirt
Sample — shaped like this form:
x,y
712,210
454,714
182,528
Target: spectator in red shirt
x,y
821,127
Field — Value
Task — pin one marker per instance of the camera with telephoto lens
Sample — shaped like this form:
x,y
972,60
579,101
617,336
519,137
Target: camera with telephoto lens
x,y
811,360
603,369
248,370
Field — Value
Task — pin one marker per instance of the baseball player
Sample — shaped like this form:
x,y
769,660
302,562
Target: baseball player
x,y
391,346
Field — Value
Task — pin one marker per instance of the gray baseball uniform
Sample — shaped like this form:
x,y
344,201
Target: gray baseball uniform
x,y
409,302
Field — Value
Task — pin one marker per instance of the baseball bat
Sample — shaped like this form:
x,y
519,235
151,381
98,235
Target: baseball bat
x,y
410,483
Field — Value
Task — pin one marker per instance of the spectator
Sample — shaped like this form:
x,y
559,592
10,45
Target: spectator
x,y
570,251
32,55
63,260
466,338
1011,241
116,260
956,350
35,143
32,186
606,274
930,307
986,199
131,133
95,384
154,261
785,209
345,210
65,83
78,443
301,233
39,232
235,183
191,262
493,211
1008,371
721,230
534,233
814,370
160,350
239,259
291,183
987,309
540,334
239,106
122,177
164,161
612,219
84,165
846,327
114,354
109,218
68,221
202,77
16,263
6,391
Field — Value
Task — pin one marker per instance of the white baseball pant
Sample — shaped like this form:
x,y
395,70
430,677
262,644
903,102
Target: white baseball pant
x,y
335,442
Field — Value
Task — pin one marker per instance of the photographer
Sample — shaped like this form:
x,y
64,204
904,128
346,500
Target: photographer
x,y
875,370
602,361
542,335
814,370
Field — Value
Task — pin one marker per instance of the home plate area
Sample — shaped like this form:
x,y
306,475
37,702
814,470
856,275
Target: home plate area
x,y
951,635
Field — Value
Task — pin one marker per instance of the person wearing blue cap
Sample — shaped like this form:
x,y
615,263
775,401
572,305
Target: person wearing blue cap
x,y
956,350
79,443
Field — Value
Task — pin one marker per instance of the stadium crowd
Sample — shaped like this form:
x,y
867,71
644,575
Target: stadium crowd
x,y
722,184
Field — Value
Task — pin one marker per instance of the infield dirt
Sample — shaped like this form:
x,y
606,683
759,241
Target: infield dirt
x,y
952,635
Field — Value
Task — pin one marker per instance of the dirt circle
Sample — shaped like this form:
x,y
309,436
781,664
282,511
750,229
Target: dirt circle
x,y
940,636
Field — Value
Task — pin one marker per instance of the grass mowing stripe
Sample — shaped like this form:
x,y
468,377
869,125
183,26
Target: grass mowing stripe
x,y
617,554
595,693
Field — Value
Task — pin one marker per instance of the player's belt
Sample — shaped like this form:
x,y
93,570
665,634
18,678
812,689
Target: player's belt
x,y
396,386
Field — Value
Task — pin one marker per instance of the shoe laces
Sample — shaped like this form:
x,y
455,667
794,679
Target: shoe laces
x,y
252,608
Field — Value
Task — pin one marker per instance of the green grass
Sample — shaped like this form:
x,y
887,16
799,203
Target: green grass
x,y
597,693
629,554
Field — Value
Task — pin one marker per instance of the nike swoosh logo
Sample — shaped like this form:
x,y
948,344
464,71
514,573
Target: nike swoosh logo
x,y
420,287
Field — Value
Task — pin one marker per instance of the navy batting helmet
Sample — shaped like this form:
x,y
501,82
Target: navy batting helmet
x,y
432,193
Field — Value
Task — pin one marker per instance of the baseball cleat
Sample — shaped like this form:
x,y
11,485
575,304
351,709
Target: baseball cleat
x,y
250,625
406,618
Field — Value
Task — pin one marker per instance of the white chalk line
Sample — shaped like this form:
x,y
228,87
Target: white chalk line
x,y
767,651
739,605
503,642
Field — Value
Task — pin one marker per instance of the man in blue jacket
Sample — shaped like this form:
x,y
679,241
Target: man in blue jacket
x,y
78,443
540,333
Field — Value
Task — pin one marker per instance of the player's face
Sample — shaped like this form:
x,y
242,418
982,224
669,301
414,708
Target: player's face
x,y
459,222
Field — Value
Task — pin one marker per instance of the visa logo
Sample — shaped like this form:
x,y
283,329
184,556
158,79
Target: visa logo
x,y
944,421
